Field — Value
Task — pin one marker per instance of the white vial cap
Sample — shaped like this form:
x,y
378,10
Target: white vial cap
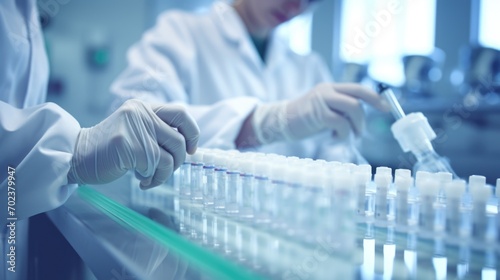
x,y
278,170
476,181
421,179
413,132
430,185
401,172
350,167
306,161
313,179
403,183
197,157
481,193
261,168
220,160
339,171
363,173
455,189
422,176
364,168
320,162
292,160
382,180
209,158
497,189
444,178
188,158
233,164
383,170
246,166
294,175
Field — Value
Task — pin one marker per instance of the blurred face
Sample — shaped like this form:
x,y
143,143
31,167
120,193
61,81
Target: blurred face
x,y
265,15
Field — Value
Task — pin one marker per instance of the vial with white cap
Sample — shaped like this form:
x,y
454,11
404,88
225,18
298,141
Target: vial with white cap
x,y
197,176
279,193
454,191
362,175
233,184
184,195
246,191
220,160
382,179
443,179
312,204
261,200
414,202
414,134
480,196
209,225
428,188
497,194
196,207
403,182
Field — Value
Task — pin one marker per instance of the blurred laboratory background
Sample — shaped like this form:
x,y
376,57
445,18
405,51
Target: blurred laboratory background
x,y
442,57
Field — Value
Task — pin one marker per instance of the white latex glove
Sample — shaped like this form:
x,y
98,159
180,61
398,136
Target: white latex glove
x,y
328,106
136,136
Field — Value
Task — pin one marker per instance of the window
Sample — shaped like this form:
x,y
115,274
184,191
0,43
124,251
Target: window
x,y
380,32
489,21
298,33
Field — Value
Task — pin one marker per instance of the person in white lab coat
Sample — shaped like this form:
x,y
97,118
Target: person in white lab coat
x,y
244,86
44,152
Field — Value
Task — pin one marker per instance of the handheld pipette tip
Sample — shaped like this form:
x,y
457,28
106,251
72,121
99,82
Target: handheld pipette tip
x,y
387,92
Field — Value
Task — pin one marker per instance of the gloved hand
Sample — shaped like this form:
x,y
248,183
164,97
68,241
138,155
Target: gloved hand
x,y
136,136
328,106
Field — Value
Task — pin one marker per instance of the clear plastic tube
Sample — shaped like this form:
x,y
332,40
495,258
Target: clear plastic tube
x,y
220,200
209,187
403,182
363,175
246,192
480,196
233,184
454,190
196,206
184,196
382,179
428,189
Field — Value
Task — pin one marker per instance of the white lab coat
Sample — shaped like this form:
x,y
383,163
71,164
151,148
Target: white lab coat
x,y
36,140
209,62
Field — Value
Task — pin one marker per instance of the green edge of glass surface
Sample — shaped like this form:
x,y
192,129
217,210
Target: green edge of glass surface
x,y
215,265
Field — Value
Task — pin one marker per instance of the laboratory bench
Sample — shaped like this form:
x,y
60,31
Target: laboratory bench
x,y
122,232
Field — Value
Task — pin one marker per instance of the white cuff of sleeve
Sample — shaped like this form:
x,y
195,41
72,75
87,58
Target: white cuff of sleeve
x,y
270,123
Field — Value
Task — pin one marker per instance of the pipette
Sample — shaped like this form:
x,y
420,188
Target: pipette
x,y
388,94
414,134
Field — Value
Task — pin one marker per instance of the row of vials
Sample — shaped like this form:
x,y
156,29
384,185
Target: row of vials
x,y
305,198
258,208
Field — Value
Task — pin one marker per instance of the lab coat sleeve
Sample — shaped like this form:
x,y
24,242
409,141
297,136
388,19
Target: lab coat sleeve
x,y
37,142
323,73
159,64
221,123
159,70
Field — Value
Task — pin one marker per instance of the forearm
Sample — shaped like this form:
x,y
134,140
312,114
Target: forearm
x,y
247,138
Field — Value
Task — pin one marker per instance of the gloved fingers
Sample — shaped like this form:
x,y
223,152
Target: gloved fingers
x,y
363,93
176,116
173,143
348,107
340,126
163,171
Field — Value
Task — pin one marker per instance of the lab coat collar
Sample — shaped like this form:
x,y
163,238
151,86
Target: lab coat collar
x,y
234,30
